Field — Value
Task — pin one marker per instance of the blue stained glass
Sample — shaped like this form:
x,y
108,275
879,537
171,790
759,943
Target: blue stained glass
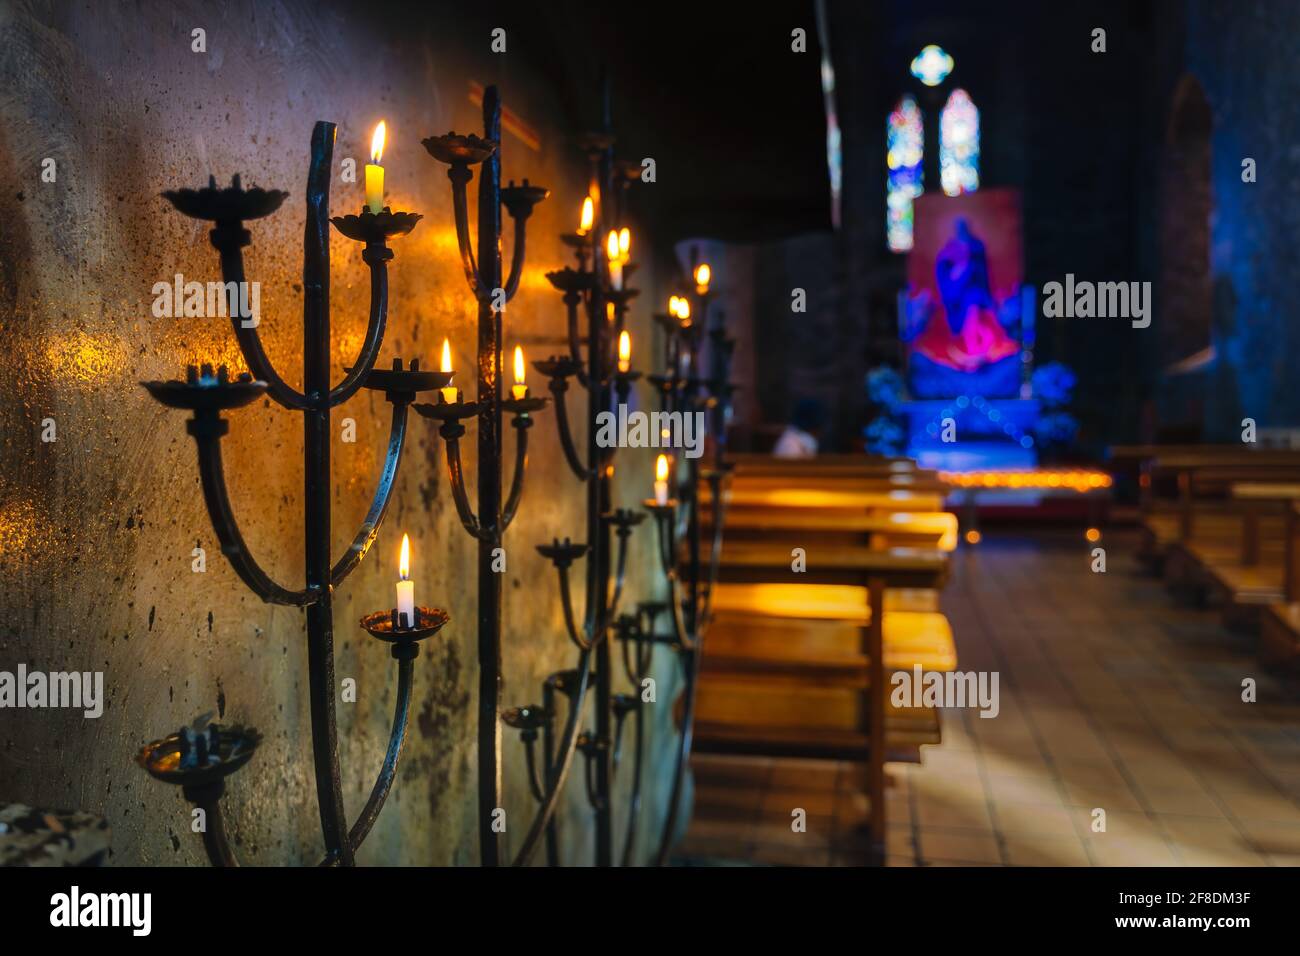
x,y
905,139
959,145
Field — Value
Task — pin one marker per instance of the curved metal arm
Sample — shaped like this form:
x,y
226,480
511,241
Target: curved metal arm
x,y
521,425
378,261
365,537
558,388
571,301
620,571
584,642
667,553
644,652
568,746
588,766
208,799
683,756
388,772
516,258
456,476
719,513
232,270
634,801
460,177
224,524
530,760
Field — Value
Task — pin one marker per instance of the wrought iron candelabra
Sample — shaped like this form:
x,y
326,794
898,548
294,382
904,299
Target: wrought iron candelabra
x,y
487,524
199,758
691,576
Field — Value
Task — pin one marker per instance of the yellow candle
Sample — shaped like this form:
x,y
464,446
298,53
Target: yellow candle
x,y
588,216
624,351
519,389
615,260
661,480
405,586
702,276
375,172
624,245
450,393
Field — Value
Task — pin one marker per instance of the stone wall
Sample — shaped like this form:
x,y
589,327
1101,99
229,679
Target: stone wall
x,y
97,528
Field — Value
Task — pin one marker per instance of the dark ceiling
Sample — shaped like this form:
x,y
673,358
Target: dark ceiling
x,y
712,91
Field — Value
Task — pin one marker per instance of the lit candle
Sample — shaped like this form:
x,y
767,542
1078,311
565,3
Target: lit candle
x,y
624,352
624,245
615,262
684,310
702,276
519,389
588,216
661,480
375,172
405,586
449,393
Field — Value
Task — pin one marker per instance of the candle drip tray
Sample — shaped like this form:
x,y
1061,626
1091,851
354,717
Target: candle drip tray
x,y
384,625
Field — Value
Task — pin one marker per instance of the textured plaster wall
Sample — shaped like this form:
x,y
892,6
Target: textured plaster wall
x,y
97,528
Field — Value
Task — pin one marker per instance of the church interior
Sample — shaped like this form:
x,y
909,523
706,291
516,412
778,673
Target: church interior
x,y
827,434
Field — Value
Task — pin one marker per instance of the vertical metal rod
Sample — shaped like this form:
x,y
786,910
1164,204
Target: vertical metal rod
x,y
598,345
316,493
489,486
548,757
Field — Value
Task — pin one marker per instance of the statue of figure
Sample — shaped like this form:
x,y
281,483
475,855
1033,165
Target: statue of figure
x,y
971,335
962,270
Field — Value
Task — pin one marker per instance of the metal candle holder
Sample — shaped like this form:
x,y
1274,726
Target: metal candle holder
x,y
691,580
590,294
489,522
207,394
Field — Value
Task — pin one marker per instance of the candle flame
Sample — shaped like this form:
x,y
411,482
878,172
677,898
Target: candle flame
x,y
446,356
404,562
611,246
702,275
624,346
684,309
588,216
661,468
624,243
519,365
377,143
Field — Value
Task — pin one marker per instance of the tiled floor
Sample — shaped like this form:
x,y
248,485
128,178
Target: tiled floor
x,y
1112,697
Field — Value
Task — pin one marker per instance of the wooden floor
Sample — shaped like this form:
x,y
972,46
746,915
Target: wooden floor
x,y
1111,696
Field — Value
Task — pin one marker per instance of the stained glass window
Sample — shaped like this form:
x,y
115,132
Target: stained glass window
x,y
959,145
906,141
932,65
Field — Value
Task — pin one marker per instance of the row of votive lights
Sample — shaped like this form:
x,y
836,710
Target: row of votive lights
x,y
617,249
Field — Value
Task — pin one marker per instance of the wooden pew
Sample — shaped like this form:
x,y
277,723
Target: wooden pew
x,y
1200,506
1280,622
1230,532
798,668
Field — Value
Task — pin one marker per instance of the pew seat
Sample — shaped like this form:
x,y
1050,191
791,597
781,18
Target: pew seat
x,y
757,641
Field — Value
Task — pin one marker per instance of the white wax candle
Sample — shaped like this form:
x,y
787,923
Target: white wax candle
x,y
405,587
661,492
661,480
406,603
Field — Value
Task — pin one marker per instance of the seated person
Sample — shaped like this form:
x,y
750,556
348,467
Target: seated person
x,y
799,440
